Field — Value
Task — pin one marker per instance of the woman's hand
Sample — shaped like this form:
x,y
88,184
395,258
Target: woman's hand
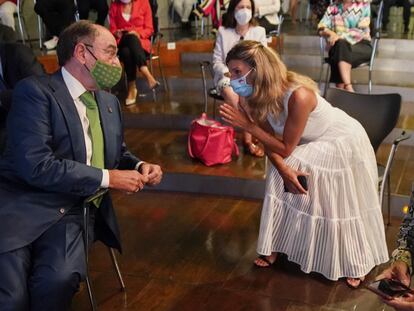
x,y
236,117
118,33
133,32
332,38
404,303
398,271
290,179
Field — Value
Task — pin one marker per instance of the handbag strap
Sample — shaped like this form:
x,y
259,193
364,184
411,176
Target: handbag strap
x,y
235,148
189,143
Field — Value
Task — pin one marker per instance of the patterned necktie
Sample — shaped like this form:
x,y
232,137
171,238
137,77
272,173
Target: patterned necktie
x,y
95,132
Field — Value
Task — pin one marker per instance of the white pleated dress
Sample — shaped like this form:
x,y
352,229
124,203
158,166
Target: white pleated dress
x,y
337,228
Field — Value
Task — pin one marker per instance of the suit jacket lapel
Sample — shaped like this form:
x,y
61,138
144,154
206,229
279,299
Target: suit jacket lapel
x,y
73,123
105,114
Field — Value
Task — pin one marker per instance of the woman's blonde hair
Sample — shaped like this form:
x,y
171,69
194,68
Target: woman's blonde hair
x,y
271,79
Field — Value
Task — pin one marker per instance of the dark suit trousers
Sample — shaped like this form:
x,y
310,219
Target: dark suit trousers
x,y
56,14
100,6
46,274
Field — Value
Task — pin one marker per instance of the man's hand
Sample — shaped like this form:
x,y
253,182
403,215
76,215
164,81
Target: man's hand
x,y
153,173
130,181
398,271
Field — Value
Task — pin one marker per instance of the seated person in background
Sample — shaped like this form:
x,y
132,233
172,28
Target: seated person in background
x,y
238,24
267,13
100,6
401,267
213,8
406,13
131,24
7,10
183,9
57,15
321,205
7,34
65,141
345,26
17,62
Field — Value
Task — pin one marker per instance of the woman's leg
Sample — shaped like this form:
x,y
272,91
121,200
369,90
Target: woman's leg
x,y
355,282
139,58
340,57
130,70
345,72
101,7
293,10
56,14
265,261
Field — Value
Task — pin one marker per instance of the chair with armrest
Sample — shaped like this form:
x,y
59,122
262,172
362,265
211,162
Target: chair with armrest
x,y
378,114
86,205
375,37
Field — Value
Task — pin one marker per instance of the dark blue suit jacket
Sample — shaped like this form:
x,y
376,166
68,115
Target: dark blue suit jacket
x,y
43,173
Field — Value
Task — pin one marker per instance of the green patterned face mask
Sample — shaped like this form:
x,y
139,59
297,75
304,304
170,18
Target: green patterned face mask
x,y
105,75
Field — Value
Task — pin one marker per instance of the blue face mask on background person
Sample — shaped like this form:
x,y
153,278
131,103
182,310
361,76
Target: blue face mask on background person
x,y
241,87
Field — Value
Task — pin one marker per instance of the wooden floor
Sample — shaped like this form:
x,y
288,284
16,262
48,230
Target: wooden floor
x,y
168,148
194,252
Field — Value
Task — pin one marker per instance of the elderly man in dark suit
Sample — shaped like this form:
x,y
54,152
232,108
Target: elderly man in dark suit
x,y
65,141
17,62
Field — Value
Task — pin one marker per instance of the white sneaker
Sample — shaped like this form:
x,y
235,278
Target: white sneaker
x,y
51,44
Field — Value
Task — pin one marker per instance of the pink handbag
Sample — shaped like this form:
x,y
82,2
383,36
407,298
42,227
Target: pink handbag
x,y
211,142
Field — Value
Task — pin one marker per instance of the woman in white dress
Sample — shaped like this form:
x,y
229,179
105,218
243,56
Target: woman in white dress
x,y
334,227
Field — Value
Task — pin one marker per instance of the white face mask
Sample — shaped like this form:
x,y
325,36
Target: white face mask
x,y
243,16
125,1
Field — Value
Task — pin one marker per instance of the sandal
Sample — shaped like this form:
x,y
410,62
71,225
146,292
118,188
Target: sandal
x,y
155,86
348,87
253,149
266,260
357,281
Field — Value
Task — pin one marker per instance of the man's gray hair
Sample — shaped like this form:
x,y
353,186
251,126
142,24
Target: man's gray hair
x,y
71,36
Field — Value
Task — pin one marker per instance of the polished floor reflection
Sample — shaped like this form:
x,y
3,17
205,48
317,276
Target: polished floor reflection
x,y
195,252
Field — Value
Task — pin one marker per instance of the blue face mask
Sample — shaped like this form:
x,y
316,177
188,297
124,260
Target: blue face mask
x,y
241,87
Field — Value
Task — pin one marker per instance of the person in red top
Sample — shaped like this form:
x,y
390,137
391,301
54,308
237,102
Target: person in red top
x,y
7,9
130,21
